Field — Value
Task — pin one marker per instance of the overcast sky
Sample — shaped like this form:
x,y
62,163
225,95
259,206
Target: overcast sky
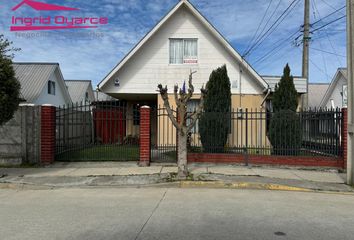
x,y
92,55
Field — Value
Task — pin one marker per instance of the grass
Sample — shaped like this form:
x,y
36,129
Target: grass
x,y
101,153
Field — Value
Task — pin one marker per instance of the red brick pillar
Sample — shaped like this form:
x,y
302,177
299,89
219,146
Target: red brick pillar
x,y
47,134
145,141
345,136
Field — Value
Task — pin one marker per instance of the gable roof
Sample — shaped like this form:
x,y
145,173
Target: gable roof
x,y
206,23
77,89
34,76
340,72
316,93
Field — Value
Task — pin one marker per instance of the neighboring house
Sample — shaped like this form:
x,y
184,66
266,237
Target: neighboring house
x,y
299,82
316,94
336,94
100,96
42,83
80,91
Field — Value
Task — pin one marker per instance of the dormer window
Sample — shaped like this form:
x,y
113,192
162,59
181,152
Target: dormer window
x,y
183,51
51,87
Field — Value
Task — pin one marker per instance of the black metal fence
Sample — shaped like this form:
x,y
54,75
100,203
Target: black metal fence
x,y
164,139
97,131
248,132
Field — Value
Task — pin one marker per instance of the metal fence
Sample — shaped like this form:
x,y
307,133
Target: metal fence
x,y
248,133
106,131
164,139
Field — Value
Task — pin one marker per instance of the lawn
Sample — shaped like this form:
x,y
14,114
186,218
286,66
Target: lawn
x,y
101,153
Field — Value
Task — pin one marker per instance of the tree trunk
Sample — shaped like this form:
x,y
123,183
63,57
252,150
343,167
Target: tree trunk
x,y
182,156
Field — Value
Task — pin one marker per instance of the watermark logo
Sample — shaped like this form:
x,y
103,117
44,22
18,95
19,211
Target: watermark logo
x,y
52,22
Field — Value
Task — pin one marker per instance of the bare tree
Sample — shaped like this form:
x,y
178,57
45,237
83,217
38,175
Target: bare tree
x,y
180,121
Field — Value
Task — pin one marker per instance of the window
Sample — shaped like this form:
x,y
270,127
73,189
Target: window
x,y
183,51
51,87
192,106
86,97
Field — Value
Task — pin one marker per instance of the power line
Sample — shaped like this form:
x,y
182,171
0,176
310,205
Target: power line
x,y
325,30
277,44
329,5
316,49
327,15
272,28
323,26
259,26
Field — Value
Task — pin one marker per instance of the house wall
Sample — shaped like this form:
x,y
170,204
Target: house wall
x,y
256,134
336,94
150,65
56,100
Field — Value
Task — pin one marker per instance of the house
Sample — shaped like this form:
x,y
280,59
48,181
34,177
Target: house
x,y
336,94
42,83
182,41
80,91
316,94
100,96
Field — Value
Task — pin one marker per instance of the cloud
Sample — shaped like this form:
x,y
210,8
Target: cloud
x,y
83,57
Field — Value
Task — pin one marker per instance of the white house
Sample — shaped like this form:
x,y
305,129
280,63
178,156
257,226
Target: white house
x,y
336,94
80,91
42,83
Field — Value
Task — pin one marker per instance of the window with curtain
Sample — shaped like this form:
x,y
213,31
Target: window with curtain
x,y
183,51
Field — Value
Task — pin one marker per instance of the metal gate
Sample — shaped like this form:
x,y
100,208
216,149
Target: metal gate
x,y
164,138
97,131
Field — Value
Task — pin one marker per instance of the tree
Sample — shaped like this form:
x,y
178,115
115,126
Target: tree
x,y
214,123
285,95
180,124
285,129
9,86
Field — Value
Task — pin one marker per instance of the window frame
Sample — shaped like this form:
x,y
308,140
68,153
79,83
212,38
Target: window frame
x,y
183,63
51,88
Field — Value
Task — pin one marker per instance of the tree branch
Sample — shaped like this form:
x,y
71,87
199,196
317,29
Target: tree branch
x,y
199,110
175,91
190,86
164,95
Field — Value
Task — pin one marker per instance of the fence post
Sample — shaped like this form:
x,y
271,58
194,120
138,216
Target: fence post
x,y
145,141
47,134
344,143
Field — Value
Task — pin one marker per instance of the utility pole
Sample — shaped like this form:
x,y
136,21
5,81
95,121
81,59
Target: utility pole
x,y
350,54
306,52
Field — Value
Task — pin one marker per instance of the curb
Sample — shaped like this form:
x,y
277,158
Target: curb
x,y
242,185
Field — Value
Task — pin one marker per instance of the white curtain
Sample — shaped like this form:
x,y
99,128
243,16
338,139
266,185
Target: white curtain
x,y
176,51
190,48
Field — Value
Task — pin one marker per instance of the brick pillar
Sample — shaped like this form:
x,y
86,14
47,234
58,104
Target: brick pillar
x,y
47,134
344,143
145,141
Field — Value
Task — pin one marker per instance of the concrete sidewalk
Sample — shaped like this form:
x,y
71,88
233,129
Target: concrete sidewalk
x,y
122,173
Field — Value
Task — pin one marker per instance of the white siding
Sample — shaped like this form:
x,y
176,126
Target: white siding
x,y
58,99
336,93
300,83
150,65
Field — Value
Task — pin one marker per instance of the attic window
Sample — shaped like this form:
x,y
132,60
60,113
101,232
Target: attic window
x,y
183,51
51,87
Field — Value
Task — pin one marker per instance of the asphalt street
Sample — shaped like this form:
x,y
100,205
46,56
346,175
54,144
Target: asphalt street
x,y
174,213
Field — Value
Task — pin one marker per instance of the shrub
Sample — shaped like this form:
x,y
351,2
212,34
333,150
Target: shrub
x,y
285,133
214,123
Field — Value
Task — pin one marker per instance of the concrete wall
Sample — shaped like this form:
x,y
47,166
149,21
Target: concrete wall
x,y
20,137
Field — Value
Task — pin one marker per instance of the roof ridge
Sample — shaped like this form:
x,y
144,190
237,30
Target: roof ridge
x,y
36,63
